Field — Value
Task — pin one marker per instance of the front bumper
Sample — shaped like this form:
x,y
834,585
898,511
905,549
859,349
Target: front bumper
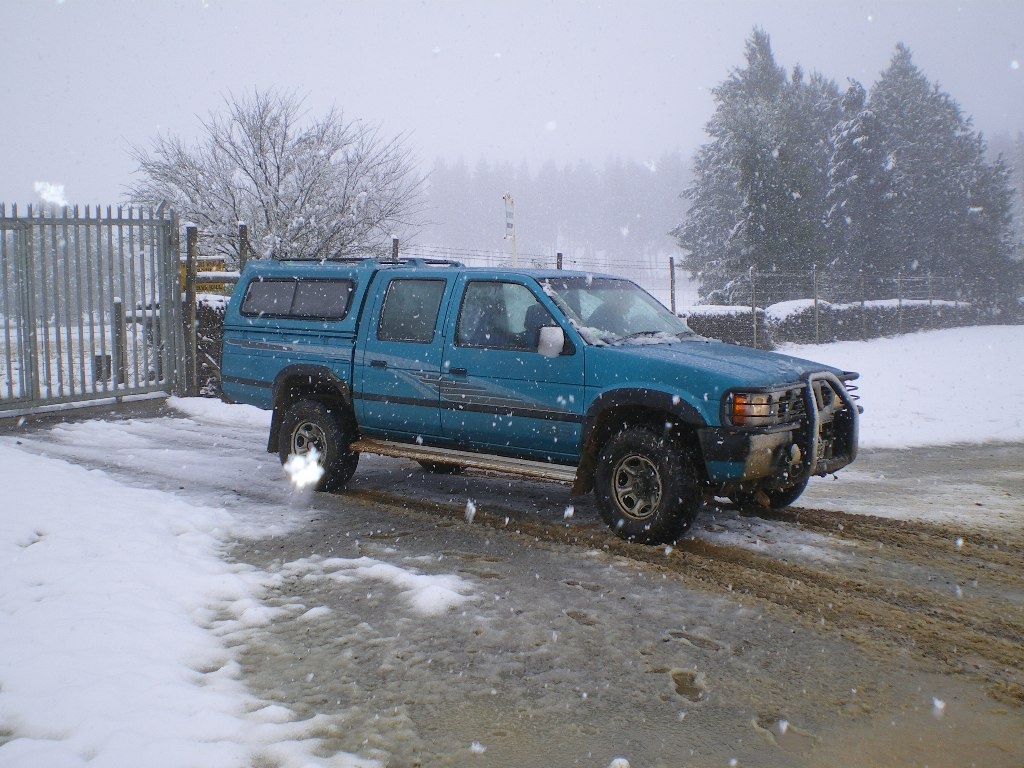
x,y
823,441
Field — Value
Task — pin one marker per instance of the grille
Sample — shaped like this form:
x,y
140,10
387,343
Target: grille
x,y
791,405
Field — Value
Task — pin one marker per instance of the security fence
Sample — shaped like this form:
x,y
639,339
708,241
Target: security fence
x,y
767,308
89,306
763,289
657,273
804,307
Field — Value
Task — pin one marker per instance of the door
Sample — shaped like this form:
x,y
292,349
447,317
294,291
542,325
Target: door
x,y
400,361
497,392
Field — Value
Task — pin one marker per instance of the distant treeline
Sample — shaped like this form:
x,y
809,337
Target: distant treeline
x,y
619,214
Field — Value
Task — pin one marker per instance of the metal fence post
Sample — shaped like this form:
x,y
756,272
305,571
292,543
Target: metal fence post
x,y
120,343
171,303
931,306
672,283
753,307
863,307
814,288
899,301
191,249
243,245
28,338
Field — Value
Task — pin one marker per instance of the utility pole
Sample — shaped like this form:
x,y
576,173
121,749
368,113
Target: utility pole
x,y
510,226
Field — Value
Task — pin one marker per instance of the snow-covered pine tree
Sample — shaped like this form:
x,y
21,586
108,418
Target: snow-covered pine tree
x,y
1016,164
857,198
950,208
757,200
990,271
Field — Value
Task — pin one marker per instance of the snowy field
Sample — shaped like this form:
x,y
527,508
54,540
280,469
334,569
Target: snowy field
x,y
960,385
119,613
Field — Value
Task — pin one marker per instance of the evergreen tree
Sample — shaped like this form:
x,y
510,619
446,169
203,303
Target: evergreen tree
x,y
990,274
759,187
857,195
796,175
1016,164
950,212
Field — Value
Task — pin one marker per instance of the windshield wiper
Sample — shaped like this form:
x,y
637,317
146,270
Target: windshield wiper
x,y
639,334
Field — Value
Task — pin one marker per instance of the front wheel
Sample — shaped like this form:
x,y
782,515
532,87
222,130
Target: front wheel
x,y
310,425
645,487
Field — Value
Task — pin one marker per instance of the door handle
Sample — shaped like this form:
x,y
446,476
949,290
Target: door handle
x,y
378,363
458,371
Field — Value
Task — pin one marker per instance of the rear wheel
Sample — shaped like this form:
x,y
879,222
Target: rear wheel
x,y
645,487
310,425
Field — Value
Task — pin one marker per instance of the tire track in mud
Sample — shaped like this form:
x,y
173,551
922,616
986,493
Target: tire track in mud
x,y
882,614
996,555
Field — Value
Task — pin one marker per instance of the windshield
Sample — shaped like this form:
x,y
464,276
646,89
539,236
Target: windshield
x,y
606,310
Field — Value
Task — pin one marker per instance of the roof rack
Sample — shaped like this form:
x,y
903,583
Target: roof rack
x,y
413,261
419,261
333,259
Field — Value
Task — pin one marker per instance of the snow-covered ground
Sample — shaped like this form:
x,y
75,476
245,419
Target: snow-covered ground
x,y
936,387
119,613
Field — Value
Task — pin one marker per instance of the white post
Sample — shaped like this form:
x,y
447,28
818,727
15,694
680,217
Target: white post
x,y
510,226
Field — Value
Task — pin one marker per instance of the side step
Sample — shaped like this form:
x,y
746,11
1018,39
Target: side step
x,y
522,467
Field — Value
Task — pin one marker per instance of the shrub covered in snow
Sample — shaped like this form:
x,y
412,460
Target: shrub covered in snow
x,y
731,324
803,322
210,319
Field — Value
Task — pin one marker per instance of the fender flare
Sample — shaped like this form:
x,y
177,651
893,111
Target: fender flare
x,y
639,397
316,376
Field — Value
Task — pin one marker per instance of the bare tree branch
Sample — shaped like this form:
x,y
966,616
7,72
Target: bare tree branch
x,y
307,188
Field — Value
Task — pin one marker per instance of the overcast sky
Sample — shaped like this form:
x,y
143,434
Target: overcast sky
x,y
511,80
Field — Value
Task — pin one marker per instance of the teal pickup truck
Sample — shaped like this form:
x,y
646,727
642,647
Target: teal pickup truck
x,y
566,376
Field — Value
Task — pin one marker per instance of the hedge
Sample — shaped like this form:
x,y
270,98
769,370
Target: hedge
x,y
795,322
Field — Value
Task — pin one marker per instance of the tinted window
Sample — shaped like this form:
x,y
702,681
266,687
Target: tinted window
x,y
500,315
410,310
324,299
272,297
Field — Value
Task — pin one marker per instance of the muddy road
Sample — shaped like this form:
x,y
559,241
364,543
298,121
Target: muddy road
x,y
878,622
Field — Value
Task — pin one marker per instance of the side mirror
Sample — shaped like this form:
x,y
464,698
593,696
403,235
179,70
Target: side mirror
x,y
552,340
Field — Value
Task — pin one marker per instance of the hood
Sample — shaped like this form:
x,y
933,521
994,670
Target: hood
x,y
700,366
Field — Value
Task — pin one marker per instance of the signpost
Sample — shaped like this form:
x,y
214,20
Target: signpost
x,y
510,226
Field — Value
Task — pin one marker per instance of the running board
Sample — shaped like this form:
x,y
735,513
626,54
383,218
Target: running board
x,y
522,467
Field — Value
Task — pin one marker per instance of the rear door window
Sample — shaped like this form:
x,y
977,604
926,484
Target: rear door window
x,y
410,310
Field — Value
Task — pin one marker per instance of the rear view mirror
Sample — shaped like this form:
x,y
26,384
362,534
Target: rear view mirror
x,y
552,340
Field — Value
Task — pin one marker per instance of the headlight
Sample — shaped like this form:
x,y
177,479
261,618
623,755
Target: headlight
x,y
750,409
763,409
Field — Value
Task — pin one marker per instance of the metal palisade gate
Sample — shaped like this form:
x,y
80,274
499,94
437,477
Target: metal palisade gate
x,y
90,306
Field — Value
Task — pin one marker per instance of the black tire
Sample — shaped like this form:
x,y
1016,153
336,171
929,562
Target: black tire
x,y
777,498
309,424
440,468
645,487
